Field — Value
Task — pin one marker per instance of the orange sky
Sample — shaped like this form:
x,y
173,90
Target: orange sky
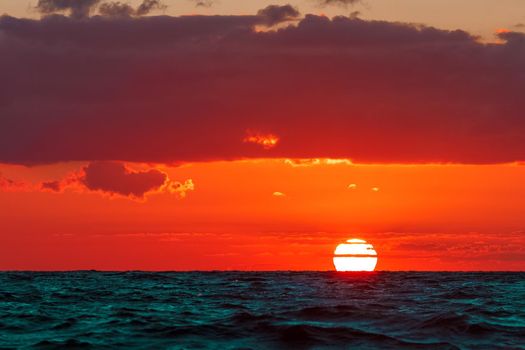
x,y
422,217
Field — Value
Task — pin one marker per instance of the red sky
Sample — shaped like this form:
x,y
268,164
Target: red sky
x,y
257,141
430,217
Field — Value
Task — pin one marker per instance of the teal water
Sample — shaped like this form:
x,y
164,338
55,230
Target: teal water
x,y
262,310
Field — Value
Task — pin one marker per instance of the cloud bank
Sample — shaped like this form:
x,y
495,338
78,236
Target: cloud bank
x,y
177,89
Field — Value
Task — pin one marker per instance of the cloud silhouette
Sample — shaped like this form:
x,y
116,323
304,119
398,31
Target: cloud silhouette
x,y
274,14
147,6
181,89
116,9
116,178
75,8
81,9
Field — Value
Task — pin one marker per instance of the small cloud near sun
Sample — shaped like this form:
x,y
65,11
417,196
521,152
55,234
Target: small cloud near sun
x,y
307,162
331,161
267,141
352,186
375,189
278,194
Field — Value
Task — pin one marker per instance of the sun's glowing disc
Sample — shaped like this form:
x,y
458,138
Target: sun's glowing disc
x,y
355,255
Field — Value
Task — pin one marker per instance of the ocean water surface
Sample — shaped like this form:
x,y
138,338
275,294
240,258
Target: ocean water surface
x,y
262,310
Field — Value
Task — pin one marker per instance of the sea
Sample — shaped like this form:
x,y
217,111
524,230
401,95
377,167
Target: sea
x,y
262,310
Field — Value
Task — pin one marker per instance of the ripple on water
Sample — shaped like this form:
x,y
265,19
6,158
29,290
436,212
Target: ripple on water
x,y
277,310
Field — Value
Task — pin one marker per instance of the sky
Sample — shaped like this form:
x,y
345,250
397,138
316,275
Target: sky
x,y
258,135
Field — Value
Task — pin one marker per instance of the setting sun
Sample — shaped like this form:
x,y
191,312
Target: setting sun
x,y
355,255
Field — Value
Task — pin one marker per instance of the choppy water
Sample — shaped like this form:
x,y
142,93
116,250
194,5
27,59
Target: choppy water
x,y
268,310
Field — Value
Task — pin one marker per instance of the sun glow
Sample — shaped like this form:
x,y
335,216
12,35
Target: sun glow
x,y
355,255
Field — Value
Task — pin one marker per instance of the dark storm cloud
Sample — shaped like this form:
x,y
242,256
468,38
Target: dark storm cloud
x,y
275,14
175,89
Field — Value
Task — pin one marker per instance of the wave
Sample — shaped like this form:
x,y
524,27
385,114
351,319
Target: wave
x,y
274,310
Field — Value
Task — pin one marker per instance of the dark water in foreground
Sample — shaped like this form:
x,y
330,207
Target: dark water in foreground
x,y
262,310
